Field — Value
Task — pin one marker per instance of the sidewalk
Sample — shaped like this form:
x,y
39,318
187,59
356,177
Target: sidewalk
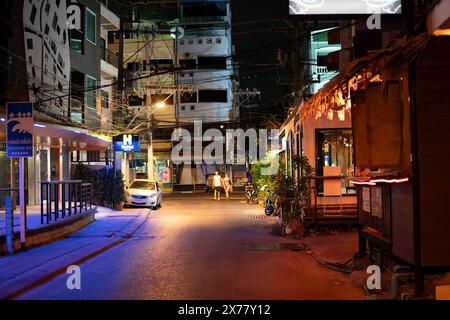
x,y
337,248
28,268
33,219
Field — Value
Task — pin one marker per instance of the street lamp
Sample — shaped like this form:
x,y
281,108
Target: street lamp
x,y
150,170
160,105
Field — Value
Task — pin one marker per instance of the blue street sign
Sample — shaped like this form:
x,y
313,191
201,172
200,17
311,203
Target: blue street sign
x,y
127,143
19,129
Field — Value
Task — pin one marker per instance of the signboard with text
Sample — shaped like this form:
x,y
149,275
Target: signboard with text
x,y
127,143
19,130
366,199
344,7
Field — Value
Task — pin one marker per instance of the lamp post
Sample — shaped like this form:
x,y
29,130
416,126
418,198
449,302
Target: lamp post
x,y
150,169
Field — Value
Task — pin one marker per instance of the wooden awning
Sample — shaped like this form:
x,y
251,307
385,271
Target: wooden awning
x,y
336,92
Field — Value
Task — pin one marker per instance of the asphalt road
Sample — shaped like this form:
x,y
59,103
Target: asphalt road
x,y
198,248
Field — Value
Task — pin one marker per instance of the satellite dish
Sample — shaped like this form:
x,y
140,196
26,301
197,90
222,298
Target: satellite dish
x,y
177,32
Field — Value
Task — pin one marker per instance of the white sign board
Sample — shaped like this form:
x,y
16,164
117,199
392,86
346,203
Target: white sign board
x,y
344,7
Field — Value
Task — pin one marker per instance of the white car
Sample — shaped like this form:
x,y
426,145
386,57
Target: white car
x,y
144,193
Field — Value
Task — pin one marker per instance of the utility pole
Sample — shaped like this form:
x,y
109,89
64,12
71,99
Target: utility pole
x,y
120,85
295,30
150,169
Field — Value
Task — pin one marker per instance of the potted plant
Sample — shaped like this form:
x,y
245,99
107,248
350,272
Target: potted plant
x,y
118,191
114,189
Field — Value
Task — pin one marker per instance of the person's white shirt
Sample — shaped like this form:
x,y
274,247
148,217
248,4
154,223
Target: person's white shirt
x,y
217,181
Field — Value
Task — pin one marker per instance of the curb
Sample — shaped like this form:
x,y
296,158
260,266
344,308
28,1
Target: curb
x,y
50,233
133,231
59,271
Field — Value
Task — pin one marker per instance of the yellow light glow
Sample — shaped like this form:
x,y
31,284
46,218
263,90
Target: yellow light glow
x,y
442,32
160,105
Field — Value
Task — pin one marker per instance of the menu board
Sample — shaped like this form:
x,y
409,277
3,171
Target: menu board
x,y
376,201
366,199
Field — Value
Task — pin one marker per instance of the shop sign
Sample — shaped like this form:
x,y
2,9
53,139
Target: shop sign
x,y
127,143
19,130
376,201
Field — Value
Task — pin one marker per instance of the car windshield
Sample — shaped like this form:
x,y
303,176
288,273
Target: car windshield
x,y
143,185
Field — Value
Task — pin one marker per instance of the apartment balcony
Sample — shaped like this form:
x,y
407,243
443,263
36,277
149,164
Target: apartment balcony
x,y
109,64
109,20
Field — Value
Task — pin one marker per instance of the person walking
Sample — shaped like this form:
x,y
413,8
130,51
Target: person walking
x,y
217,185
226,185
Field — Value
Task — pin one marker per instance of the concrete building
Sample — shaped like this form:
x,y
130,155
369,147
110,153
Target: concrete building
x,y
205,55
181,52
326,138
66,60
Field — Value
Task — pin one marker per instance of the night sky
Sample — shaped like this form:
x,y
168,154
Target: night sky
x,y
256,47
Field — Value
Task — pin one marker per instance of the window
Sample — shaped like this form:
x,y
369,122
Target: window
x,y
167,98
90,26
55,21
218,40
30,44
322,60
334,149
33,14
212,96
76,37
160,64
47,8
105,99
212,62
147,185
192,108
93,156
188,97
183,108
188,64
200,9
91,92
103,48
133,66
77,85
181,42
209,41
200,41
135,101
191,41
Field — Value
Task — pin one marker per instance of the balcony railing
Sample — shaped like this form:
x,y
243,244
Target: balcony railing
x,y
217,19
110,57
322,69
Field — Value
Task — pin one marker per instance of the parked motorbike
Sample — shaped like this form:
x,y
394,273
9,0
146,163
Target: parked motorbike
x,y
251,193
272,206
